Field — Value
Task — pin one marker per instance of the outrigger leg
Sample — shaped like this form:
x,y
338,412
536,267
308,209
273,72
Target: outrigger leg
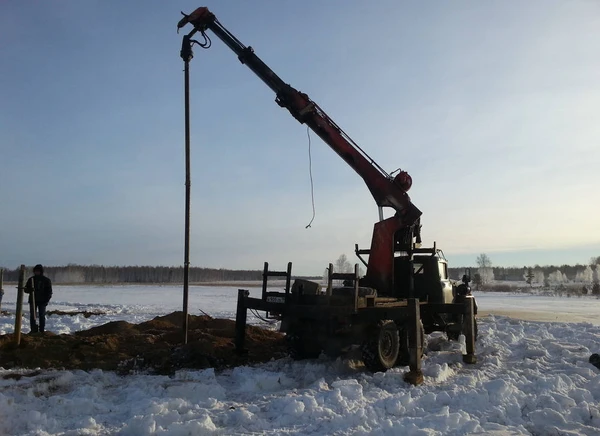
x,y
240,321
415,375
470,332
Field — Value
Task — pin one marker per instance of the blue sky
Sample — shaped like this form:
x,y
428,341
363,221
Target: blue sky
x,y
492,107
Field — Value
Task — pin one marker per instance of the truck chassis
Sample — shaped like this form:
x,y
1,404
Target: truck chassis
x,y
389,331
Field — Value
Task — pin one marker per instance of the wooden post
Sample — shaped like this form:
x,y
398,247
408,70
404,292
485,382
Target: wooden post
x,y
329,280
1,288
240,321
19,314
469,331
415,345
355,287
265,281
288,279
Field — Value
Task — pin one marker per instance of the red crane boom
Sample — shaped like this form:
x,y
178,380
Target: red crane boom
x,y
391,235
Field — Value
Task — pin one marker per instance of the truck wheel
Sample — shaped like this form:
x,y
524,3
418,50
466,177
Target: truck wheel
x,y
404,354
299,347
380,350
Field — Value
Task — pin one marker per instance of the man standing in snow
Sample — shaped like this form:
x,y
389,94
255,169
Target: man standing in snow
x,y
39,288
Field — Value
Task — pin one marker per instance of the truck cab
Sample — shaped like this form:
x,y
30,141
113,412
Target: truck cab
x,y
432,283
429,275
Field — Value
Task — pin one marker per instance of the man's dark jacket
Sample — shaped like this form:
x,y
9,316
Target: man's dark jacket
x,y
42,287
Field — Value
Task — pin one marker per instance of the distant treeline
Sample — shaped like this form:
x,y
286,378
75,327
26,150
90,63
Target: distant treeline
x,y
165,274
135,274
517,273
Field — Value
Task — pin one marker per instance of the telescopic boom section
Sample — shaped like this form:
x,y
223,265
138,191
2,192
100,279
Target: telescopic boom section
x,y
387,191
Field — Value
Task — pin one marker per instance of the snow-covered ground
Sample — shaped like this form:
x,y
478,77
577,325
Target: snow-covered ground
x,y
531,378
540,307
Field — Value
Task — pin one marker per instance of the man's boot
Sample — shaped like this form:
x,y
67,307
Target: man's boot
x,y
35,329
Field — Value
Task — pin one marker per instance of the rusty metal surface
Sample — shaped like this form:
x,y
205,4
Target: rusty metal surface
x,y
380,269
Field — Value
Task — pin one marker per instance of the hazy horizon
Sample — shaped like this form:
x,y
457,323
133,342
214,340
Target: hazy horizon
x,y
352,259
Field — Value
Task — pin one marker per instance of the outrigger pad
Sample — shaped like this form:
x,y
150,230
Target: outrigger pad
x,y
470,359
414,377
595,360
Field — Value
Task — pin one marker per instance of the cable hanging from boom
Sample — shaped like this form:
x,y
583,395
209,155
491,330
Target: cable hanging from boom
x,y
312,191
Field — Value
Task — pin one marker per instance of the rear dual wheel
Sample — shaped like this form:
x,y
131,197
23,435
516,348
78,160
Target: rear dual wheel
x,y
387,346
381,349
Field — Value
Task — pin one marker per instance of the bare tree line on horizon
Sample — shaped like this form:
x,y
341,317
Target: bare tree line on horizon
x,y
484,273
578,279
100,274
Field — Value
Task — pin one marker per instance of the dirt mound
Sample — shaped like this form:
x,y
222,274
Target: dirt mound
x,y
111,328
85,313
155,346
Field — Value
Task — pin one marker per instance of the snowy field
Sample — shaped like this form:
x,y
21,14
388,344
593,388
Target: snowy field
x,y
131,303
532,377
